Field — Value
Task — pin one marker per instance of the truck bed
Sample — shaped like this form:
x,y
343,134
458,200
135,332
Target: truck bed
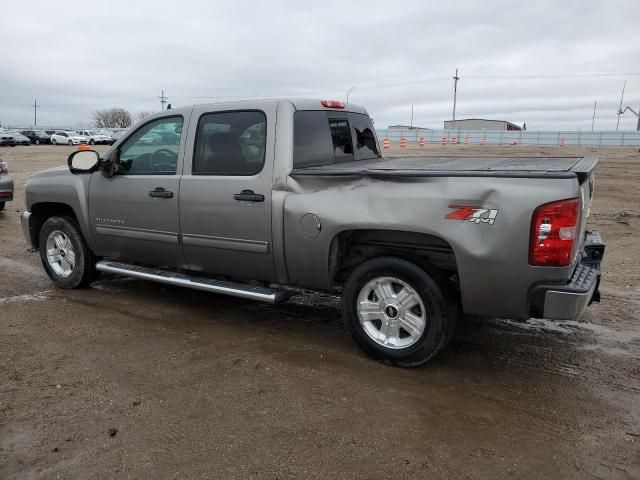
x,y
416,166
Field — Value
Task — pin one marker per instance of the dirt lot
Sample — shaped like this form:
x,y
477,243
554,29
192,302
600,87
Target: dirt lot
x,y
196,385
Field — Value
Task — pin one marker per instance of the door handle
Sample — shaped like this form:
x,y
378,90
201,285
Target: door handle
x,y
160,192
248,196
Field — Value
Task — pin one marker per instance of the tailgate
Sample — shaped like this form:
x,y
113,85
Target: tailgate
x,y
585,170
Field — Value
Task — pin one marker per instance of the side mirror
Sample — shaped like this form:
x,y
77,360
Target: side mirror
x,y
83,161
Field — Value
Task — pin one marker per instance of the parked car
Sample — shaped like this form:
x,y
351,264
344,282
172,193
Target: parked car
x,y
117,134
248,206
6,139
19,138
6,185
37,137
95,137
62,137
50,132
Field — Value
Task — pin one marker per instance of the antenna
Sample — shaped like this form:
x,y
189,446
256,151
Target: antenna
x,y
455,94
620,107
35,112
163,100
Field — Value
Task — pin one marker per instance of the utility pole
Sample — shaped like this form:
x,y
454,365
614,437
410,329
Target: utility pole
x,y
620,107
35,114
411,124
163,100
593,120
455,94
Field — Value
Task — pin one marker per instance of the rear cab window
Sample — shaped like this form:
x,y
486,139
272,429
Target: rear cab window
x,y
328,137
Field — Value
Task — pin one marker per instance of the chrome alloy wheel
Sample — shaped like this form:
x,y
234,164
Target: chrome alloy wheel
x,y
391,312
60,254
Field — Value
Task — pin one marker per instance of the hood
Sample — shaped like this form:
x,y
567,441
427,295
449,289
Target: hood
x,y
60,171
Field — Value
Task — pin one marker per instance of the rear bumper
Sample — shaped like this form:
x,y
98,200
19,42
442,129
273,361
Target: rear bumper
x,y
6,188
568,301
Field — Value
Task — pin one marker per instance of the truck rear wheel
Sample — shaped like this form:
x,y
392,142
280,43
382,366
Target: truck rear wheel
x,y
65,255
397,312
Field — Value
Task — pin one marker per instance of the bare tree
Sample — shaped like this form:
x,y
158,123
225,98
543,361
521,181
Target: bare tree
x,y
142,115
112,118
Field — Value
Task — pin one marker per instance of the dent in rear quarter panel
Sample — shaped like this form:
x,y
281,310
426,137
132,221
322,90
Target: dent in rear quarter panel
x,y
61,186
492,260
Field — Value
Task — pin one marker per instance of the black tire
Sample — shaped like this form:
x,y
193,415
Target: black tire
x,y
37,142
92,142
70,142
2,205
53,142
84,269
441,310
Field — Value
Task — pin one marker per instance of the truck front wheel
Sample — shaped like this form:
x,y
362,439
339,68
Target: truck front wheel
x,y
397,312
65,255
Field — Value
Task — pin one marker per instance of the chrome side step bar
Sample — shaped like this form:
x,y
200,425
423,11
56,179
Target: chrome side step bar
x,y
250,292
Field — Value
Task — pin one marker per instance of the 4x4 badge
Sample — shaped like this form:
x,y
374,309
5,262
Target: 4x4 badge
x,y
473,213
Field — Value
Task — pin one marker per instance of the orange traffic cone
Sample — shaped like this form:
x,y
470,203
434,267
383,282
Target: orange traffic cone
x,y
403,142
562,142
386,144
421,142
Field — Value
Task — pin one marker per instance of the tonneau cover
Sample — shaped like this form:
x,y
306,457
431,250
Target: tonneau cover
x,y
563,167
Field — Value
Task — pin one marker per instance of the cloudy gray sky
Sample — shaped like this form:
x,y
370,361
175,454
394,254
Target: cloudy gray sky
x,y
539,62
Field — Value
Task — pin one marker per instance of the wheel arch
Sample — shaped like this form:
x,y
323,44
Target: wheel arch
x,y
41,211
349,248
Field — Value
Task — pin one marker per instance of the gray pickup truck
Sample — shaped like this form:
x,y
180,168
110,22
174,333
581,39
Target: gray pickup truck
x,y
251,198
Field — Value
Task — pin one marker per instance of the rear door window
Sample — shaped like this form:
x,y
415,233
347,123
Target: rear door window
x,y
230,143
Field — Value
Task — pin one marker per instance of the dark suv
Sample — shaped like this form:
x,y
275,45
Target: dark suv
x,y
37,137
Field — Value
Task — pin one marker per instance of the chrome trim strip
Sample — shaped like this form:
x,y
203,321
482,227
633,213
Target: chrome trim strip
x,y
170,278
138,234
225,243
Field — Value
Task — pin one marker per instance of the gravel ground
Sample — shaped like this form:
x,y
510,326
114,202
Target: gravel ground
x,y
130,379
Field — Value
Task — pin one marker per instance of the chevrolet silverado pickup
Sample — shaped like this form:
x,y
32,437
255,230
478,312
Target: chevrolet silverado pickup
x,y
252,198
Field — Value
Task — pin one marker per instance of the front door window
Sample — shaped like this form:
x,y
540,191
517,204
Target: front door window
x,y
153,149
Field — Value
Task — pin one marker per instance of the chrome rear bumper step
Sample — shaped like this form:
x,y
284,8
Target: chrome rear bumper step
x,y
250,292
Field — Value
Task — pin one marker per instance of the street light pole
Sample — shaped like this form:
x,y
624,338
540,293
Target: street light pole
x,y
348,92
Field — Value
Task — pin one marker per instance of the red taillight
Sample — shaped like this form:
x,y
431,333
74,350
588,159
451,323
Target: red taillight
x,y
332,104
553,233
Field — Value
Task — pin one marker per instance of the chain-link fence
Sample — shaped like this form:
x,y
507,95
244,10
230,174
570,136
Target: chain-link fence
x,y
510,137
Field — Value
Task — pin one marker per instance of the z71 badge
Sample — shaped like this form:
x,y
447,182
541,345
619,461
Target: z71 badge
x,y
473,213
